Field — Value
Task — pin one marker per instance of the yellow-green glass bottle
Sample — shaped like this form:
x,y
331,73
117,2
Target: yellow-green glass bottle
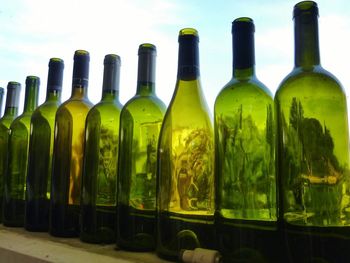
x,y
313,152
11,111
185,188
18,144
246,208
99,179
40,152
140,124
1,99
68,153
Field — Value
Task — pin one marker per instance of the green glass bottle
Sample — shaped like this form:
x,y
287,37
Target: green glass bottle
x,y
40,152
186,161
68,153
313,152
18,144
246,209
99,179
1,99
11,111
140,123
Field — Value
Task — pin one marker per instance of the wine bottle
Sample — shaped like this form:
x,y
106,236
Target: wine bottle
x,y
186,161
11,111
68,153
246,210
1,99
140,123
99,179
313,152
42,122
18,143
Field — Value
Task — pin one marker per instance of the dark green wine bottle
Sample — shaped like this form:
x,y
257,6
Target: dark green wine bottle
x,y
18,144
99,179
1,99
68,153
140,123
11,111
186,161
313,152
246,209
40,152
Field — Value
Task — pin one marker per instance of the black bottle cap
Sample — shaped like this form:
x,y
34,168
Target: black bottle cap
x,y
13,91
188,61
243,43
305,7
81,68
55,76
112,59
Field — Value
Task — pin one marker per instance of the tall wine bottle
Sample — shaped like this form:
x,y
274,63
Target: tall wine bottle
x,y
99,179
186,161
1,99
11,111
40,152
68,153
140,123
313,152
18,144
246,210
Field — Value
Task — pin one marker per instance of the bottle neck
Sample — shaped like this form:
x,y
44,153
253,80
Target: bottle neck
x,y
53,95
11,111
31,98
146,73
243,62
110,95
306,41
188,58
79,91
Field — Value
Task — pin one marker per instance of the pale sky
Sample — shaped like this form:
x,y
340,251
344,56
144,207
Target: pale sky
x,y
33,31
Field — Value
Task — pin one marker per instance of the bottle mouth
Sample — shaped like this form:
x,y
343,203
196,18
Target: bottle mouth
x,y
147,48
111,59
13,85
32,80
243,24
188,32
305,7
81,54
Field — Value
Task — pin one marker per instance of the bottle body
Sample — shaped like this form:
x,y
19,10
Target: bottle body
x,y
40,152
11,110
68,153
185,184
140,124
18,143
244,124
313,152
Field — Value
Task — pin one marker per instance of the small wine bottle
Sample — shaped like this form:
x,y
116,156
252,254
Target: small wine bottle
x,y
18,143
40,152
99,179
1,99
313,152
11,111
186,161
140,123
68,153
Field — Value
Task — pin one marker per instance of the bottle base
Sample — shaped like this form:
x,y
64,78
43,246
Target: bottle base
x,y
13,215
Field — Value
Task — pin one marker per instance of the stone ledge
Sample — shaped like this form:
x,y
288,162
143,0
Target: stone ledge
x,y
18,246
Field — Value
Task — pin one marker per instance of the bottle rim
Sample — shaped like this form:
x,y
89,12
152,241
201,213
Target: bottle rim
x,y
305,7
188,31
13,85
147,48
244,24
111,59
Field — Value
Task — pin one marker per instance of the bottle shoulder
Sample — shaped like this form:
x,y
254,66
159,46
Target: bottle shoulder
x,y
309,81
46,110
21,122
144,104
237,89
6,121
104,110
75,105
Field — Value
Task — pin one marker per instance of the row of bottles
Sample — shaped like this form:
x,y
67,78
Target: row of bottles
x,y
268,181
